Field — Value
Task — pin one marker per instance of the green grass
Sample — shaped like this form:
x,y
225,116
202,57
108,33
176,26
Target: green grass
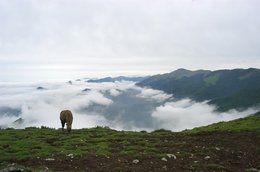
x,y
214,166
44,142
102,141
250,123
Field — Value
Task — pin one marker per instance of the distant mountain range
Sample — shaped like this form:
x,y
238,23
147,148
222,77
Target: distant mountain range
x,y
119,78
228,89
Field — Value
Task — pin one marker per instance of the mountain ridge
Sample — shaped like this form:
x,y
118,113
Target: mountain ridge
x,y
213,86
118,78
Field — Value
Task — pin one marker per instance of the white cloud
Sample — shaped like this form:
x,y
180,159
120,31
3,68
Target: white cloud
x,y
98,98
152,94
6,120
186,114
42,107
120,105
114,92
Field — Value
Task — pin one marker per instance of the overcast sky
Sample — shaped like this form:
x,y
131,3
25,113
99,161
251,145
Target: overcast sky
x,y
66,39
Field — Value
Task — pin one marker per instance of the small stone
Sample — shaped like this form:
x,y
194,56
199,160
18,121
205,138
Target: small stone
x,y
191,155
207,157
252,170
195,162
171,156
70,155
135,161
49,159
217,148
9,169
164,167
164,159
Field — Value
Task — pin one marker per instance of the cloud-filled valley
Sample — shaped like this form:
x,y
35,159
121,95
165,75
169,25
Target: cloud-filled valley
x,y
119,105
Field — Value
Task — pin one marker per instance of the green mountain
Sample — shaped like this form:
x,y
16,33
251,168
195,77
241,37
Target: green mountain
x,y
228,89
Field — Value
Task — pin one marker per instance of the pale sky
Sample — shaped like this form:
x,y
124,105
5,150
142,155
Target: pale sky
x,y
70,39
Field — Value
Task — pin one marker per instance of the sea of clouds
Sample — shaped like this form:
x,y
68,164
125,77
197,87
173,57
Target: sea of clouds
x,y
118,105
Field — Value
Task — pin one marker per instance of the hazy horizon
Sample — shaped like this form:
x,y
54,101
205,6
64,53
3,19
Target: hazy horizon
x,y
89,77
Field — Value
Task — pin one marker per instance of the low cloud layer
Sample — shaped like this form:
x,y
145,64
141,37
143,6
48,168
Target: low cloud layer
x,y
186,114
119,105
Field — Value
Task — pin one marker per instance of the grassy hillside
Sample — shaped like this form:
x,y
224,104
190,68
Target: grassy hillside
x,y
251,123
223,87
226,146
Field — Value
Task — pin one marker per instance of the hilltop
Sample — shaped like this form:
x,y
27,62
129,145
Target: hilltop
x,y
228,89
119,78
225,146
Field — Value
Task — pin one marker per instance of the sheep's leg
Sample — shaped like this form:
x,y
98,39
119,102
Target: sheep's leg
x,y
62,124
68,127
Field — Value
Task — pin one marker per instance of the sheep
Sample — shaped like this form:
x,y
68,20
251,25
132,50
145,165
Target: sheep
x,y
66,117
